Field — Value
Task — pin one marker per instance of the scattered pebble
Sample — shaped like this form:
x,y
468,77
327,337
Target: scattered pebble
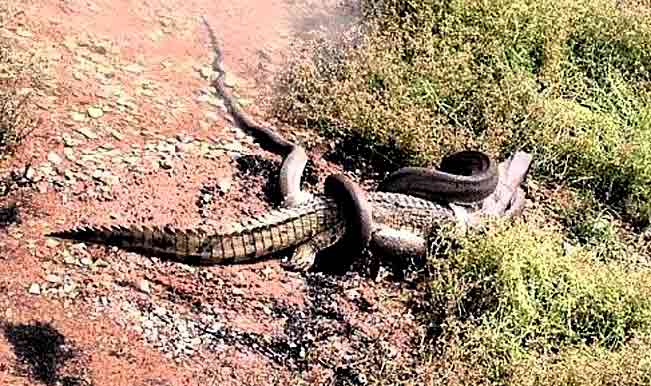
x,y
35,289
53,278
95,112
51,243
166,164
144,286
86,261
224,184
54,158
87,132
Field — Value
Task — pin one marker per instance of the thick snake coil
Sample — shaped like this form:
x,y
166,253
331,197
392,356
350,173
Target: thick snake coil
x,y
468,176
463,177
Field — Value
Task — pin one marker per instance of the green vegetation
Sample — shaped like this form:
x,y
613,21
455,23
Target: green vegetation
x,y
567,80
521,296
563,303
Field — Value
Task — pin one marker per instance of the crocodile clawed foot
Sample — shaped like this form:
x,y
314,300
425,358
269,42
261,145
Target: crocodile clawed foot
x,y
302,259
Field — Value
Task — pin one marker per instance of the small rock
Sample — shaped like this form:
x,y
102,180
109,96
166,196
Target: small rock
x,y
230,80
244,102
30,173
87,132
47,170
206,72
206,197
352,294
51,243
134,68
53,278
117,135
182,147
35,289
212,116
23,33
166,164
69,153
164,147
68,258
224,184
42,187
97,174
68,141
69,175
238,292
69,287
144,286
77,116
110,179
202,98
95,112
86,261
54,158
220,105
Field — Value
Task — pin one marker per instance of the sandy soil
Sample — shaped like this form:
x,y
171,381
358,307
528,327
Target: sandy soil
x,y
130,132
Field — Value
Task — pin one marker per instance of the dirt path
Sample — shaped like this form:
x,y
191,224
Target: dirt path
x,y
131,133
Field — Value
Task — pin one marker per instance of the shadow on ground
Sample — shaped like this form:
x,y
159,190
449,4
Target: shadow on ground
x,y
250,166
41,353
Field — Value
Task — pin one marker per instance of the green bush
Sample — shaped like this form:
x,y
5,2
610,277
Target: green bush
x,y
567,80
588,365
522,294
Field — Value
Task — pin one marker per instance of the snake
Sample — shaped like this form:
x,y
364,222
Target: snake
x,y
465,177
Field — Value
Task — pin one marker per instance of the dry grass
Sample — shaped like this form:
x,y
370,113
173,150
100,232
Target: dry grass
x,y
20,76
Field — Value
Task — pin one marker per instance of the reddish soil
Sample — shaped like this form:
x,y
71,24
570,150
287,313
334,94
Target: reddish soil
x,y
122,124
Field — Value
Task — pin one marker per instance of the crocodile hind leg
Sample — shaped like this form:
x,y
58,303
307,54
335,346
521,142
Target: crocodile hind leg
x,y
355,235
304,256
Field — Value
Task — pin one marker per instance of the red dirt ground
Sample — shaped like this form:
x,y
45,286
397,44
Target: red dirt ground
x,y
105,317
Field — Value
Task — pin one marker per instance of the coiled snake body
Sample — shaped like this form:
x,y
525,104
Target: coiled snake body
x,y
464,177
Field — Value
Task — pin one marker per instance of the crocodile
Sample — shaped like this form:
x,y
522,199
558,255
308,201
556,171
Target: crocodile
x,y
319,222
401,225
397,221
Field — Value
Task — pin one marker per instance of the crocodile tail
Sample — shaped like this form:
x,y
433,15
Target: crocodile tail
x,y
247,240
190,246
